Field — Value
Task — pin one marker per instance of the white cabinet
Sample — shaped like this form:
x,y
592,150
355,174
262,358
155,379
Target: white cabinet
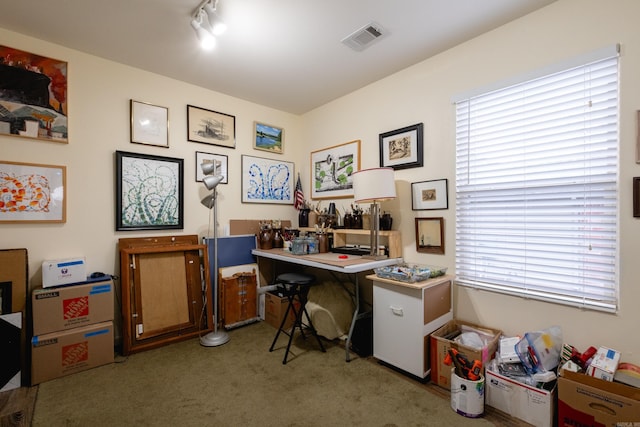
x,y
404,314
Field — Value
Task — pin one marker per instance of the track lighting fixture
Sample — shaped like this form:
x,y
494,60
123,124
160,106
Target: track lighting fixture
x,y
207,23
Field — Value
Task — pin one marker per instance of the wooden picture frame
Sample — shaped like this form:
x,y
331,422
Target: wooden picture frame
x,y
33,90
636,197
430,235
429,195
268,138
202,157
211,127
331,170
149,192
149,124
402,148
267,181
31,192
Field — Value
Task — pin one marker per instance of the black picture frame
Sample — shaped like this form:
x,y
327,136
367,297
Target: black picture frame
x,y
430,195
149,192
211,127
402,148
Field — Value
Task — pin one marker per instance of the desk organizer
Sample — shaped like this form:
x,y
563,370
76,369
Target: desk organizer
x,y
409,273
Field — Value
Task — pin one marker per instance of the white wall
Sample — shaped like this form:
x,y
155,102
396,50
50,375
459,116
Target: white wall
x,y
99,93
423,93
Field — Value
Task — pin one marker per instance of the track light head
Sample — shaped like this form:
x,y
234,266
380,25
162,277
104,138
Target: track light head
x,y
217,26
209,168
207,41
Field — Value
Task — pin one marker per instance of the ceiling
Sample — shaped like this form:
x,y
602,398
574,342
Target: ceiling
x,y
285,54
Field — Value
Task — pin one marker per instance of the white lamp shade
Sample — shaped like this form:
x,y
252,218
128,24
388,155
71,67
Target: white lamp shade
x,y
373,184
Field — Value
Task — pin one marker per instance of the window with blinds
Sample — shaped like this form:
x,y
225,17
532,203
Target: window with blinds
x,y
537,187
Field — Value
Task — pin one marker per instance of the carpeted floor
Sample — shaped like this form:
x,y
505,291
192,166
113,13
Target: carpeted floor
x,y
241,383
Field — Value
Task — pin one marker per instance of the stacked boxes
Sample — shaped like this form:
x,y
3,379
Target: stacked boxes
x,y
72,328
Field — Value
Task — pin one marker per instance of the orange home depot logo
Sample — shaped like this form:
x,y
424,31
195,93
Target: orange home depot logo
x,y
75,307
75,353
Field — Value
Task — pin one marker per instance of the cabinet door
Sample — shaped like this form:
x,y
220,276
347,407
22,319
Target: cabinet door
x,y
397,326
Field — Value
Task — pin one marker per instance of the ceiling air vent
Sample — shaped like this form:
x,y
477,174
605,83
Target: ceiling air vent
x,y
364,37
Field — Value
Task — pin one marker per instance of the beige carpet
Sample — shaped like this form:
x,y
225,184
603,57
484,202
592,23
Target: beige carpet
x,y
242,384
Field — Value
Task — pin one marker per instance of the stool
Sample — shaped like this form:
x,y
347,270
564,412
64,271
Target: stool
x,y
294,285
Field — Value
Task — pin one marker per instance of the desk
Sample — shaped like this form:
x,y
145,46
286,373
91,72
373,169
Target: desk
x,y
330,262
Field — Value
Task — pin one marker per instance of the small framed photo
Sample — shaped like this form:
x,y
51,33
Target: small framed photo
x,y
149,192
210,158
211,127
402,148
268,138
267,181
149,124
430,235
331,170
427,195
31,192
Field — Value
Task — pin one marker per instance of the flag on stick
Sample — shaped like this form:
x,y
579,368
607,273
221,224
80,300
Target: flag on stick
x,y
299,195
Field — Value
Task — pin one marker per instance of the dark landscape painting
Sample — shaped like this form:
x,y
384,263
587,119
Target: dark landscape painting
x,y
33,95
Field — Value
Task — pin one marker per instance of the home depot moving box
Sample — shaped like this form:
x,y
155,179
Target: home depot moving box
x,y
591,402
74,350
57,309
441,343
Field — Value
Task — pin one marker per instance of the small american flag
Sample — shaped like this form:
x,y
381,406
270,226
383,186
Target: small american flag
x,y
299,195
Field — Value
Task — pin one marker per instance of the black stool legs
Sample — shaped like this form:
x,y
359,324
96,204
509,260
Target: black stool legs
x,y
293,290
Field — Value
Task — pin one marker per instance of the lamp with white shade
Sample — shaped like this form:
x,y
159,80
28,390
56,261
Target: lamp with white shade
x,y
372,186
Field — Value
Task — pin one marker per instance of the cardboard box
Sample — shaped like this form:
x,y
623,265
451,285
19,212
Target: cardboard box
x,y
440,345
63,272
587,401
533,405
604,364
71,306
74,350
274,308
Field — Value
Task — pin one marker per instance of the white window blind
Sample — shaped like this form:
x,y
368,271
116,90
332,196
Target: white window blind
x,y
536,188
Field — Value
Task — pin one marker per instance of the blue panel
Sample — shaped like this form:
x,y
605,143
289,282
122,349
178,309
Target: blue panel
x,y
232,250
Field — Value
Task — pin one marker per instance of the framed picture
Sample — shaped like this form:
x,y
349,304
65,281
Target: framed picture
x,y
210,158
638,136
430,235
429,195
149,192
267,181
31,192
33,96
331,170
402,148
268,138
149,124
211,127
636,197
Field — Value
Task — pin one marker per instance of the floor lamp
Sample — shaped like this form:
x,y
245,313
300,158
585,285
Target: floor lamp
x,y
373,186
211,181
